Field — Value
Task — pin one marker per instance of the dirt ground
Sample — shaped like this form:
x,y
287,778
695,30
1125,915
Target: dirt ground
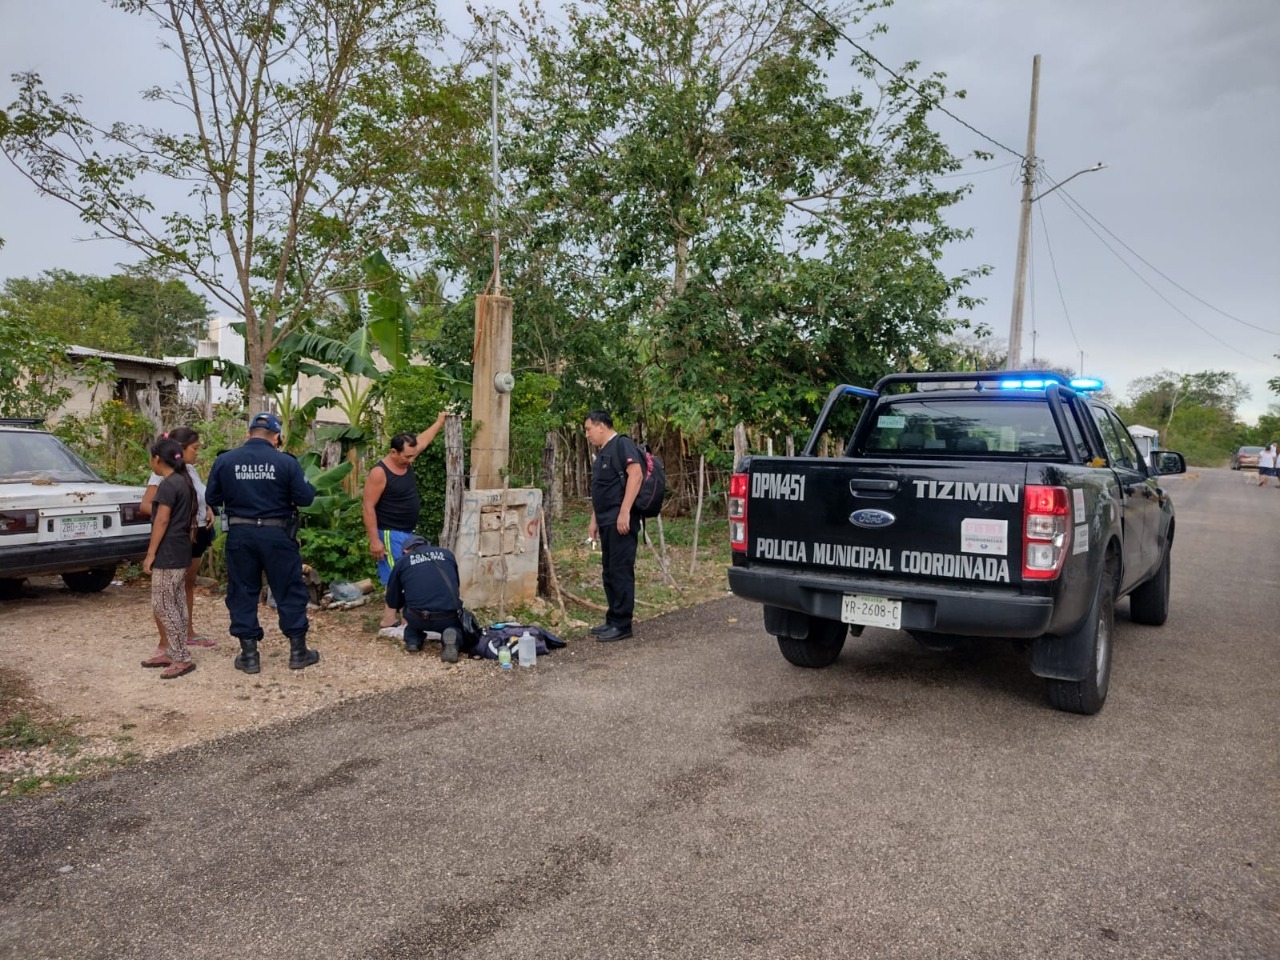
x,y
75,658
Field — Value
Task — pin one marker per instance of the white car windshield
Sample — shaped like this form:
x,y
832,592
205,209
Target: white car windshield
x,y
27,457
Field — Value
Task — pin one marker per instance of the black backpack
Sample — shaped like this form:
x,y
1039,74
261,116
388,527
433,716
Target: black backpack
x,y
653,488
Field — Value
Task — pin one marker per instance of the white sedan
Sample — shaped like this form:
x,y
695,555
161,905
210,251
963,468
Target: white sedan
x,y
59,517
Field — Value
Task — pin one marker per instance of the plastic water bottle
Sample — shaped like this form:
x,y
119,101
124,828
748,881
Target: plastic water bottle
x,y
504,657
527,650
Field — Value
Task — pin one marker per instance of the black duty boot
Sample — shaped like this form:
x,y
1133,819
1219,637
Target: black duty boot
x,y
299,656
247,661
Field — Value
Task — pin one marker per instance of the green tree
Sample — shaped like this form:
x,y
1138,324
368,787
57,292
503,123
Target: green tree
x,y
165,316
67,307
32,369
1194,412
1156,399
704,208
315,131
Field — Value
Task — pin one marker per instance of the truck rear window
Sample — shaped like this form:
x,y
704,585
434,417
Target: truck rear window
x,y
960,427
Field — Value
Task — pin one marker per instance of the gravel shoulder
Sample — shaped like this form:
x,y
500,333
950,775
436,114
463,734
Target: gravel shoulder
x,y
74,661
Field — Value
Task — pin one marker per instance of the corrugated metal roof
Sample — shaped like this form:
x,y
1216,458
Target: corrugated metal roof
x,y
123,357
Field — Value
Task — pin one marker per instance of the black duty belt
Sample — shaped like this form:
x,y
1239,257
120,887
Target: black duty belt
x,y
258,521
429,616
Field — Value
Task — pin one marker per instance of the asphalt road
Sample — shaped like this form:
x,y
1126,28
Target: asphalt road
x,y
689,794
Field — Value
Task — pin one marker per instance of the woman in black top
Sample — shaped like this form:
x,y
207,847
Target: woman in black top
x,y
173,526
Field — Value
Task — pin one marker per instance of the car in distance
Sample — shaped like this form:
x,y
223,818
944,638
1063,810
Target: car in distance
x,y
1246,458
59,517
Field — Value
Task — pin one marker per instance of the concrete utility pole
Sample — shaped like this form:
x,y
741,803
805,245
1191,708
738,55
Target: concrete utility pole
x,y
1024,225
492,382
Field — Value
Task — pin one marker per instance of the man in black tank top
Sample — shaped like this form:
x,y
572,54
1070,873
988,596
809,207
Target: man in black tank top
x,y
391,505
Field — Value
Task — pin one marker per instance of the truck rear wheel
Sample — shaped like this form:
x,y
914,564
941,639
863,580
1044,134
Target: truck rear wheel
x,y
1149,604
1097,631
820,648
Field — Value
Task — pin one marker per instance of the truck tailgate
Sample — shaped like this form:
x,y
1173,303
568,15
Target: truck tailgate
x,y
915,520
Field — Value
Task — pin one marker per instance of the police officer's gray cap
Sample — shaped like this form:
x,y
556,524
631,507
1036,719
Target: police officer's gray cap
x,y
415,543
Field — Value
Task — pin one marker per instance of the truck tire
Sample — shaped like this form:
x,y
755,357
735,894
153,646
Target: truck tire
x,y
1097,631
820,648
89,581
1149,604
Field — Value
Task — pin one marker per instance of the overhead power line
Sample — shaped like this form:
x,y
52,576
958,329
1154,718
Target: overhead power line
x,y
1044,225
1164,275
1072,204
974,173
932,101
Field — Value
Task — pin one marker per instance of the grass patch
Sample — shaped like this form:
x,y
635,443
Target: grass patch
x,y
40,751
25,732
578,564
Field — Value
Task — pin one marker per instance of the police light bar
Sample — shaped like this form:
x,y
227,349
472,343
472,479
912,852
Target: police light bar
x,y
1086,384
1081,384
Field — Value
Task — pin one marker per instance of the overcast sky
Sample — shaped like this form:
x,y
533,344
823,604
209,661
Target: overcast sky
x,y
1179,98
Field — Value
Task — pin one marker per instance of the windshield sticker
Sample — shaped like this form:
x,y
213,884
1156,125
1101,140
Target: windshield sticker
x,y
1080,543
1078,502
891,421
989,537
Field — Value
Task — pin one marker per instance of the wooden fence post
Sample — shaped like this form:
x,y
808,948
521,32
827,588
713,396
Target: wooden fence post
x,y
697,517
455,482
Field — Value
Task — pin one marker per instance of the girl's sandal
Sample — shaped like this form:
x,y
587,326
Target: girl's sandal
x,y
158,659
176,670
206,642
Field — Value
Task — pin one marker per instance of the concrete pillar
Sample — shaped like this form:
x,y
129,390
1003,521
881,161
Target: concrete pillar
x,y
498,542
491,392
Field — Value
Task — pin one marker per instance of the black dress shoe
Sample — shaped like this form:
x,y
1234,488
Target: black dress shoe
x,y
609,634
601,628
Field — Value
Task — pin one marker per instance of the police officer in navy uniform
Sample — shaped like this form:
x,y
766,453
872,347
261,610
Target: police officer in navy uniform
x,y
425,583
260,489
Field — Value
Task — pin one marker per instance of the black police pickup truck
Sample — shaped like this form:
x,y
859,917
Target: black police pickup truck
x,y
960,505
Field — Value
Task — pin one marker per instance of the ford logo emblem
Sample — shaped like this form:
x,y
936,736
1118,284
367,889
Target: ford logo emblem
x,y
871,519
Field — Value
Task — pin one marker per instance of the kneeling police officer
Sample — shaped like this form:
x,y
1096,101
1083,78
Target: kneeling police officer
x,y
424,582
260,488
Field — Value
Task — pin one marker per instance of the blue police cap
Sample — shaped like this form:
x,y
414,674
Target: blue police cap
x,y
265,421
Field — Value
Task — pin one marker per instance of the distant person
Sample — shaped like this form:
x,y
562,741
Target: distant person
x,y
169,557
616,476
189,440
1274,449
425,584
391,506
1266,464
260,488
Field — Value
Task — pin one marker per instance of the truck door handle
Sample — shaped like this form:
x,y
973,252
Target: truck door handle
x,y
873,488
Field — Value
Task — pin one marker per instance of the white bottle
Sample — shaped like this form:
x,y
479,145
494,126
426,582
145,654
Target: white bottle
x,y
527,650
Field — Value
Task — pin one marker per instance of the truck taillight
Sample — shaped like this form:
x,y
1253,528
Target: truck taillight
x,y
1046,531
738,511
